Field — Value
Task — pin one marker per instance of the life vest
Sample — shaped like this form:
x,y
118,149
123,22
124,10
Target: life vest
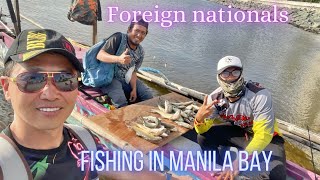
x,y
14,166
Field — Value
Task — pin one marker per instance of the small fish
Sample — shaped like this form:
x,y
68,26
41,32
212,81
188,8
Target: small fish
x,y
145,135
161,108
183,103
188,111
154,131
164,135
183,124
189,107
187,120
167,106
150,121
181,106
195,107
180,119
169,127
183,114
174,116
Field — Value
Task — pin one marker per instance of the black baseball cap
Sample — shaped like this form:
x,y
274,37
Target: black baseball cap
x,y
32,42
140,21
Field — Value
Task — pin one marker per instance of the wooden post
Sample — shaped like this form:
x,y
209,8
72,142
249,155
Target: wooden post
x,y
17,10
94,32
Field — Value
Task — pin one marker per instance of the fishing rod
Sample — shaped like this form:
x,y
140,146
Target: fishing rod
x,y
312,160
13,17
31,21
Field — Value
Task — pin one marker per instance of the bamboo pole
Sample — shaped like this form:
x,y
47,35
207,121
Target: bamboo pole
x,y
161,84
293,129
13,17
94,32
300,140
17,10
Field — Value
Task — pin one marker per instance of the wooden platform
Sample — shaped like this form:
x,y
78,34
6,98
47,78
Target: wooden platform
x,y
113,123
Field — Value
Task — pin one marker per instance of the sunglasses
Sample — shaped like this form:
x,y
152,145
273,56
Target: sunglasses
x,y
235,73
32,82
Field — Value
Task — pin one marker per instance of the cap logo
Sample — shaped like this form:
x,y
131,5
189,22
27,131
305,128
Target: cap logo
x,y
68,46
228,60
36,40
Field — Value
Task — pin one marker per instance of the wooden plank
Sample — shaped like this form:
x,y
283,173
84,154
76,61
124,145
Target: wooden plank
x,y
114,123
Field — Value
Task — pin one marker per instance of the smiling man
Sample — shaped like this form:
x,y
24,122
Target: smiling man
x,y
125,51
41,82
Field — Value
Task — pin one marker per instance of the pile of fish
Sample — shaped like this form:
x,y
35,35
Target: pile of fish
x,y
152,128
182,113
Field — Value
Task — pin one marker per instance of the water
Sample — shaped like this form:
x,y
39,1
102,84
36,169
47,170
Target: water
x,y
281,57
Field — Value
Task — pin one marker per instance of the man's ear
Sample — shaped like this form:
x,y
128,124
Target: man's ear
x,y
5,86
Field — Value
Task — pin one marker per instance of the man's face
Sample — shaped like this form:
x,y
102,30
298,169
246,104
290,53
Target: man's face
x,y
230,74
48,108
137,34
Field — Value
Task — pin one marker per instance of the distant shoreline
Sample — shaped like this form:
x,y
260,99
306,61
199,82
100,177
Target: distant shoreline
x,y
303,15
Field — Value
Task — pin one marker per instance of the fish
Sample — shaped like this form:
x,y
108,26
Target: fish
x,y
187,120
151,121
154,131
183,114
149,137
169,126
173,117
183,124
189,107
181,107
161,108
183,103
187,111
167,106
195,107
164,135
180,119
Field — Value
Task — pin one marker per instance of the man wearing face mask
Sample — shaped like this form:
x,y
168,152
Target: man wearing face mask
x,y
240,114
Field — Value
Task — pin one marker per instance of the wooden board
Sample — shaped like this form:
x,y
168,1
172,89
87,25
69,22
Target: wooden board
x,y
113,123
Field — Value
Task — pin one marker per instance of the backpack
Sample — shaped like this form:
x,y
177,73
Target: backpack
x,y
14,166
97,73
85,11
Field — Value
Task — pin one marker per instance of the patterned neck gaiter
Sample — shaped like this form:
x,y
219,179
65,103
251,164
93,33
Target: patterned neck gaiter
x,y
232,89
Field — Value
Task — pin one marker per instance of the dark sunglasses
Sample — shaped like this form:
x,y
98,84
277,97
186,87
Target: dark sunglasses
x,y
32,82
235,73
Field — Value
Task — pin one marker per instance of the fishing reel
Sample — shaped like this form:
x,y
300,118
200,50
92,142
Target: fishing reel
x,y
222,105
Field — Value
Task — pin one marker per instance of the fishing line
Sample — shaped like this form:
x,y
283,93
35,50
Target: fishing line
x,y
31,21
312,159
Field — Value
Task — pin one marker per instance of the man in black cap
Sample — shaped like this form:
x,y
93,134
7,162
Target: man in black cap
x,y
40,81
126,52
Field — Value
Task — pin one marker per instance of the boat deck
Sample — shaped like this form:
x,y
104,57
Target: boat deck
x,y
114,124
